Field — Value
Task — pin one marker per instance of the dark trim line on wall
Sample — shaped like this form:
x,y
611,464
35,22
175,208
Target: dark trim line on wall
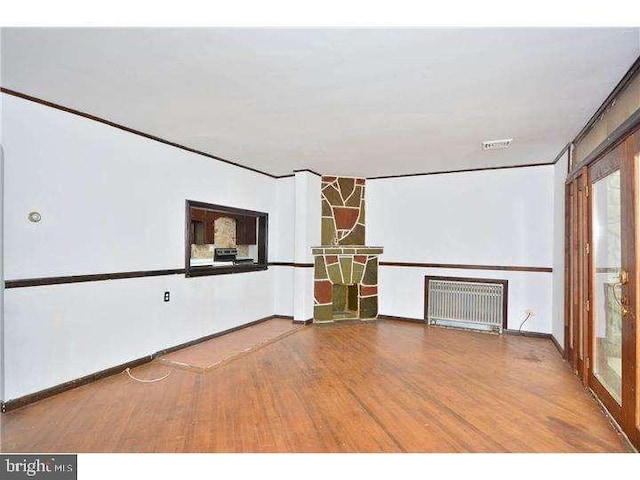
x,y
149,136
297,322
525,333
291,264
307,170
403,319
562,152
48,392
557,344
509,268
308,321
537,335
36,282
624,81
128,129
191,343
43,281
462,171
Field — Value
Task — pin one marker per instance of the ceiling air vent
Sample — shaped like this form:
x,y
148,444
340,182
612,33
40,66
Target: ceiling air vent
x,y
497,144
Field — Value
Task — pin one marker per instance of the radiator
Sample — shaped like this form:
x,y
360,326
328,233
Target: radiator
x,y
466,304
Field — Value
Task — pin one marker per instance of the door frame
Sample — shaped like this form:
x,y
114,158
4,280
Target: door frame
x,y
580,294
577,283
606,165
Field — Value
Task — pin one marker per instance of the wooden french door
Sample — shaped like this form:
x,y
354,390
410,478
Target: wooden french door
x,y
601,335
577,305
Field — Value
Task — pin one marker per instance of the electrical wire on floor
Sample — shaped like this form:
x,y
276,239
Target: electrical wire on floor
x,y
146,381
529,315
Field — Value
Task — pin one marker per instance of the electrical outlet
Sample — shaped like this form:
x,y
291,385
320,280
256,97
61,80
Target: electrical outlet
x,y
530,312
167,296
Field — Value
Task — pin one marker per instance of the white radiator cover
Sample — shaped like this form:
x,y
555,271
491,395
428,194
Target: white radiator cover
x,y
466,304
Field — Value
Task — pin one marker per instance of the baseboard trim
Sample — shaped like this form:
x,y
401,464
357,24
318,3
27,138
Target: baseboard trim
x,y
504,330
302,322
403,319
51,391
191,343
297,322
560,349
526,334
63,387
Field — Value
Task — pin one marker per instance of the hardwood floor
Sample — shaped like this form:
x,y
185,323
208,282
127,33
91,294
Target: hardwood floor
x,y
213,353
383,386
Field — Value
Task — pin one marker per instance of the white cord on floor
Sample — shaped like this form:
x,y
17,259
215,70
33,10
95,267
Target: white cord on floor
x,y
146,381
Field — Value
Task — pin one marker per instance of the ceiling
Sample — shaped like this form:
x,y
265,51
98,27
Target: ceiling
x,y
360,102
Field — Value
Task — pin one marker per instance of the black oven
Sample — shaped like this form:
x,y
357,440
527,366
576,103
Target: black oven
x,y
225,254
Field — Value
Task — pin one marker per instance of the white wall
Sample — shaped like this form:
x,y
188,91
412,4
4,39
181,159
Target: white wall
x,y
307,216
491,217
283,283
559,177
402,293
2,382
111,202
281,228
1,241
59,333
281,223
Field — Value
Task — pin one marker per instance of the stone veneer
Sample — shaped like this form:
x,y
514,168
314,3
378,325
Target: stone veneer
x,y
353,265
225,232
343,220
343,258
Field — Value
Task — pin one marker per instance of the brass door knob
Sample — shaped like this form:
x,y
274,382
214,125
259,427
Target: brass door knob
x,y
624,277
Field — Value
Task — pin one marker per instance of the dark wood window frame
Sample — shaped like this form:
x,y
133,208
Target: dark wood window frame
x,y
262,236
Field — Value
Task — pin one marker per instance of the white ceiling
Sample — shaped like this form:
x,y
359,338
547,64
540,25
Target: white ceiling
x,y
362,102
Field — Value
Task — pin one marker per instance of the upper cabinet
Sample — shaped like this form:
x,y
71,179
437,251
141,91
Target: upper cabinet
x,y
202,231
202,226
246,230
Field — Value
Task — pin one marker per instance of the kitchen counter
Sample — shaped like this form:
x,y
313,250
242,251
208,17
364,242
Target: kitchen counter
x,y
208,262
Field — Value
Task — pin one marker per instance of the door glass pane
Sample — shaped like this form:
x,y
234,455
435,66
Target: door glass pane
x,y
607,321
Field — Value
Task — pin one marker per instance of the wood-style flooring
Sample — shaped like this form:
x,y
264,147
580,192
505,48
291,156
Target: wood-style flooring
x,y
383,386
213,353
